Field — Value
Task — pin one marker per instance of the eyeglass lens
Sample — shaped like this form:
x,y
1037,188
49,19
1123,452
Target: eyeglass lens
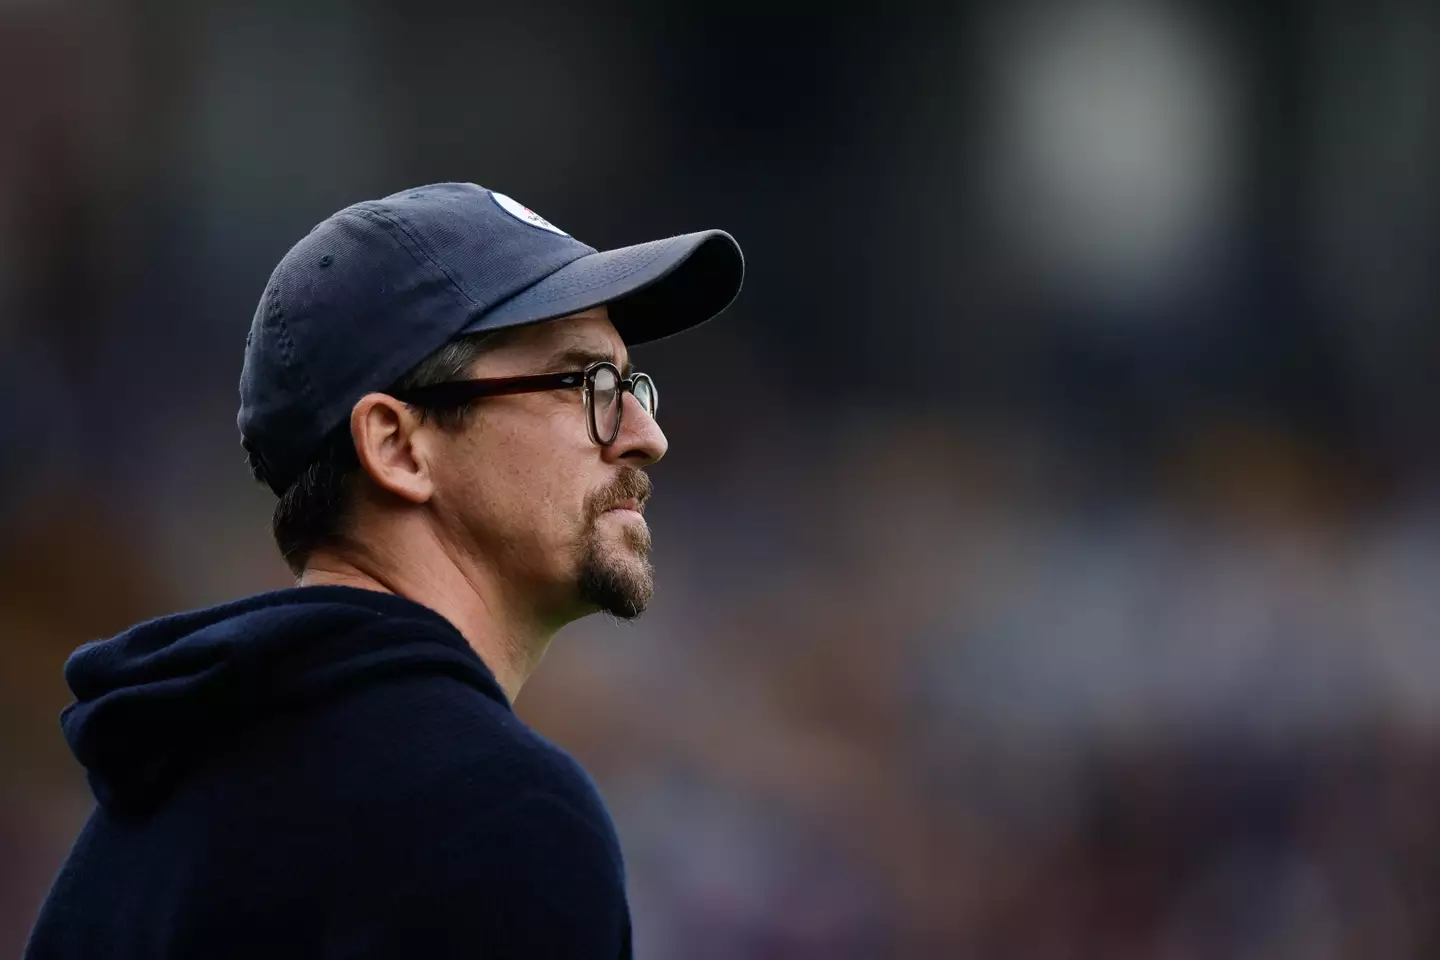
x,y
606,400
605,403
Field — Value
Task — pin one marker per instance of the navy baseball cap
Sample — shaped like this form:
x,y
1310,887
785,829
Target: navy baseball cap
x,y
377,287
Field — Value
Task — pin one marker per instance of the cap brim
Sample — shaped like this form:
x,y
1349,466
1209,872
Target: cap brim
x,y
652,289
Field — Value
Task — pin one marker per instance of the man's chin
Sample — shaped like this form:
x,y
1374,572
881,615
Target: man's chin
x,y
620,587
615,572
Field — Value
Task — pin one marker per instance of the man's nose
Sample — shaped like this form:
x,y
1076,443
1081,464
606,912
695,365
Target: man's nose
x,y
641,442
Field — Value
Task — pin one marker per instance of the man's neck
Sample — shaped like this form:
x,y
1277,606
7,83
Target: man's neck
x,y
509,645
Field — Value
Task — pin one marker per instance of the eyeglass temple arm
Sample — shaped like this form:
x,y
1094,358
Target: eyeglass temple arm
x,y
459,391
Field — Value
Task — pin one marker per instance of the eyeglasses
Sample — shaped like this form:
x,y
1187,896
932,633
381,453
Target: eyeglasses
x,y
604,392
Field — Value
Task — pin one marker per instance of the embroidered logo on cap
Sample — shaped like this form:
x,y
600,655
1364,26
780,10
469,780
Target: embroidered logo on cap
x,y
523,213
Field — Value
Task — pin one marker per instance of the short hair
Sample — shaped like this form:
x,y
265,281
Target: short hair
x,y
313,510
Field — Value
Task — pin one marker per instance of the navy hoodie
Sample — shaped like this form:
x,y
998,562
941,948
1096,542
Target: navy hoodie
x,y
322,772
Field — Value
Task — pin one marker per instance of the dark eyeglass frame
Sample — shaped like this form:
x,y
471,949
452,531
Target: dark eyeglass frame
x,y
457,393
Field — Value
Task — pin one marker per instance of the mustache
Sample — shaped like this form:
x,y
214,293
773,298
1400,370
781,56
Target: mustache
x,y
632,484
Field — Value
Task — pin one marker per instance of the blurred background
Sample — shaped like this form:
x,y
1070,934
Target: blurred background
x,y
1049,547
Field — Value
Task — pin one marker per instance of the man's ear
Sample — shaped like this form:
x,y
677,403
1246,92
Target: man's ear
x,y
392,447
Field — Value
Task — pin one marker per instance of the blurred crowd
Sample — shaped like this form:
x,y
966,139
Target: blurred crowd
x,y
965,722
1047,554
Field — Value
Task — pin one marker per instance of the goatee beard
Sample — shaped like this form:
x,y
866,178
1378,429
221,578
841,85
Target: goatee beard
x,y
621,582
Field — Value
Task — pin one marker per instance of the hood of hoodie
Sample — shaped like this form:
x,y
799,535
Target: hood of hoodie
x,y
149,701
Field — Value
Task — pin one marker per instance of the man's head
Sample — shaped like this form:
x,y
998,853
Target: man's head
x,y
341,416
514,480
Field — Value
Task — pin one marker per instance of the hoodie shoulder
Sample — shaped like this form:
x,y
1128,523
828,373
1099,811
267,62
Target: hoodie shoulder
x,y
287,767
157,699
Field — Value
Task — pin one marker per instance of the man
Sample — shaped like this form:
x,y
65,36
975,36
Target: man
x,y
437,388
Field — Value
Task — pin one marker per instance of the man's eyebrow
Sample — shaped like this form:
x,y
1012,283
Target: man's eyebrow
x,y
579,355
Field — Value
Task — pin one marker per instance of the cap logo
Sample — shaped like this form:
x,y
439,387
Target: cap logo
x,y
524,214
